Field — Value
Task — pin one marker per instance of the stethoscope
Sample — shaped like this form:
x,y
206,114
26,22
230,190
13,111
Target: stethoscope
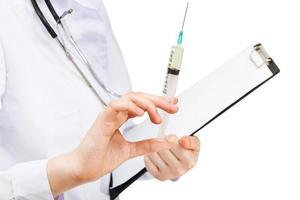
x,y
64,27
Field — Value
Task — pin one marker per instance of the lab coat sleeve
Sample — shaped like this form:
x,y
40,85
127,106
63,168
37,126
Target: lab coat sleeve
x,y
2,75
24,181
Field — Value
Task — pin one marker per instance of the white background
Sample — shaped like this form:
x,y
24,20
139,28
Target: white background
x,y
253,150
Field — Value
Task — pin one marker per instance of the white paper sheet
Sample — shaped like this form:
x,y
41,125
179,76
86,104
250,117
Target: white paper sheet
x,y
199,104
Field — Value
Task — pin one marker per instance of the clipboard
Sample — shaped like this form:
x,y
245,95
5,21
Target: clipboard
x,y
200,105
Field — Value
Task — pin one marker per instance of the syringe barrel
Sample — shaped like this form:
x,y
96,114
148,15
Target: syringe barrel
x,y
176,56
171,83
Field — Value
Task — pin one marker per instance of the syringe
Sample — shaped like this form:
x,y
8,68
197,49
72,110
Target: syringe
x,y
171,81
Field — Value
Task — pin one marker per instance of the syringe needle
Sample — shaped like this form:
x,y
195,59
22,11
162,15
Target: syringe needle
x,y
185,14
180,36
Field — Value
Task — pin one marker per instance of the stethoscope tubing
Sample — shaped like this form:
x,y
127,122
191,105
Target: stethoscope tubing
x,y
54,35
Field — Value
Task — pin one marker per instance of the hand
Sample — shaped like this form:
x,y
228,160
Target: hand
x,y
173,163
104,148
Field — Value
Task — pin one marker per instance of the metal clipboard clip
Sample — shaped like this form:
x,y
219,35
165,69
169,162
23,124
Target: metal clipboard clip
x,y
259,56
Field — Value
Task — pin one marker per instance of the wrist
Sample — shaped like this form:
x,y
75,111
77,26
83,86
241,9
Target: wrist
x,y
63,173
79,169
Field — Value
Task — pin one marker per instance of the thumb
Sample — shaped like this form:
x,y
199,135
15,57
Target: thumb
x,y
147,147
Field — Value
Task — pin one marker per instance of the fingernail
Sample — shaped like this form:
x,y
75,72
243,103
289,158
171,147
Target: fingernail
x,y
175,100
159,120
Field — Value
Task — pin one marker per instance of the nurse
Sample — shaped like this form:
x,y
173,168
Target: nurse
x,y
57,139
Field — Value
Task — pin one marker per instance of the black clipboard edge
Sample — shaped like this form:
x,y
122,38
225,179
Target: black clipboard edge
x,y
273,68
115,192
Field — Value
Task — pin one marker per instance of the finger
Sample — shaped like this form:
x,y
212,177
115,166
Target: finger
x,y
169,158
146,105
150,166
173,139
163,102
190,142
175,100
125,105
147,147
181,153
158,161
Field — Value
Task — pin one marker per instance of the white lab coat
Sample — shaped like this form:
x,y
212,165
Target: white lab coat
x,y
45,107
